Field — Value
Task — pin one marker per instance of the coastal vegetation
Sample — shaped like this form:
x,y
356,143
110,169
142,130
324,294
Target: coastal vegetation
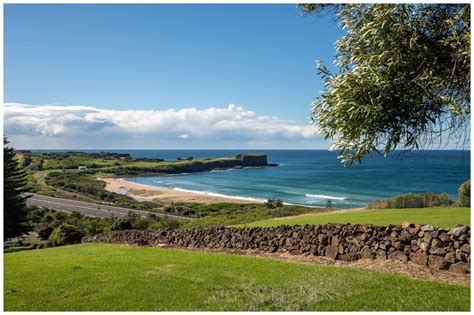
x,y
220,214
48,223
424,200
57,228
465,194
123,278
89,186
438,216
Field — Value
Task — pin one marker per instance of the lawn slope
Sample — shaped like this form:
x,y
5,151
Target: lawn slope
x,y
104,277
440,217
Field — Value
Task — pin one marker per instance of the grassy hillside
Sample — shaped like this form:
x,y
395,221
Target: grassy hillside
x,y
441,217
100,277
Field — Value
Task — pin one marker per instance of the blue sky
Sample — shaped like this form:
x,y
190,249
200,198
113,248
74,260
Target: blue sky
x,y
163,61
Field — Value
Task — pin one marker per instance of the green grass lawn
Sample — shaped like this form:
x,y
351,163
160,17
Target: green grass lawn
x,y
440,217
105,277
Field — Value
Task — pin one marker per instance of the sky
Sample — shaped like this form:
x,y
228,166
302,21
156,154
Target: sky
x,y
163,76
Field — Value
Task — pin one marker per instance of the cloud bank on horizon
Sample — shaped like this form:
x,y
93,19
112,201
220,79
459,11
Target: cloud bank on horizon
x,y
82,127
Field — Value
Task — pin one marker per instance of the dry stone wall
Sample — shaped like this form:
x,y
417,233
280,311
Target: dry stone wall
x,y
438,248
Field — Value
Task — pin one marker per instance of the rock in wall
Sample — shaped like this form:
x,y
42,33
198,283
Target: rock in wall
x,y
438,248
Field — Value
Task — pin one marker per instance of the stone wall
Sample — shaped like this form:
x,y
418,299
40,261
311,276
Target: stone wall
x,y
438,248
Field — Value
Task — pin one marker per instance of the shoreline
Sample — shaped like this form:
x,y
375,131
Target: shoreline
x,y
142,192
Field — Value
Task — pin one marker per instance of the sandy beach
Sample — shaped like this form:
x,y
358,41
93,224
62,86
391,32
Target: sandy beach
x,y
165,195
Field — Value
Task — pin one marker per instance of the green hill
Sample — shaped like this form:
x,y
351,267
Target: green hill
x,y
441,217
100,277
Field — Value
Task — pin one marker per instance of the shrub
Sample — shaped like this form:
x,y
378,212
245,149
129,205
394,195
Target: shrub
x,y
141,224
465,194
44,230
424,200
180,210
65,234
273,203
121,224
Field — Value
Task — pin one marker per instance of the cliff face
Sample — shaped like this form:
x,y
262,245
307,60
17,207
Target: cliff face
x,y
252,159
240,160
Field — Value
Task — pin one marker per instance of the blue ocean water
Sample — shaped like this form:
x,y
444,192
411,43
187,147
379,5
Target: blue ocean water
x,y
311,177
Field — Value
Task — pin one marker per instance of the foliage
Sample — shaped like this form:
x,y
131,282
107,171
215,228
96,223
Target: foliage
x,y
274,203
133,221
424,200
44,230
89,186
403,78
465,194
65,234
15,212
109,277
121,224
46,220
442,217
180,209
218,214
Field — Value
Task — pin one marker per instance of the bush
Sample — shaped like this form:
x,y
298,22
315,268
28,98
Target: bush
x,y
465,194
65,234
180,210
166,223
141,224
273,203
121,224
44,230
424,200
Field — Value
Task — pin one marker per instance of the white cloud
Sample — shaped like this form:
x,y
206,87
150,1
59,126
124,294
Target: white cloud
x,y
230,123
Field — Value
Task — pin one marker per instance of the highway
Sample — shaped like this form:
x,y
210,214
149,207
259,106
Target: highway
x,y
91,209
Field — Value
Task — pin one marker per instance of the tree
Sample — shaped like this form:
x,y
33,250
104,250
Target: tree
x,y
65,234
402,80
14,205
465,194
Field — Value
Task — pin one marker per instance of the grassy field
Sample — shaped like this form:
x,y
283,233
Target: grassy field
x,y
101,277
440,217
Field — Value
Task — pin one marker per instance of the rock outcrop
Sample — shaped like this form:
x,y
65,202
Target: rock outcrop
x,y
252,159
438,248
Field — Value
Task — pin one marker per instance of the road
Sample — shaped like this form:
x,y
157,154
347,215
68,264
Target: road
x,y
91,209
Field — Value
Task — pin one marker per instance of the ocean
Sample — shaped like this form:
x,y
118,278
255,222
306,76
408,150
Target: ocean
x,y
312,177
